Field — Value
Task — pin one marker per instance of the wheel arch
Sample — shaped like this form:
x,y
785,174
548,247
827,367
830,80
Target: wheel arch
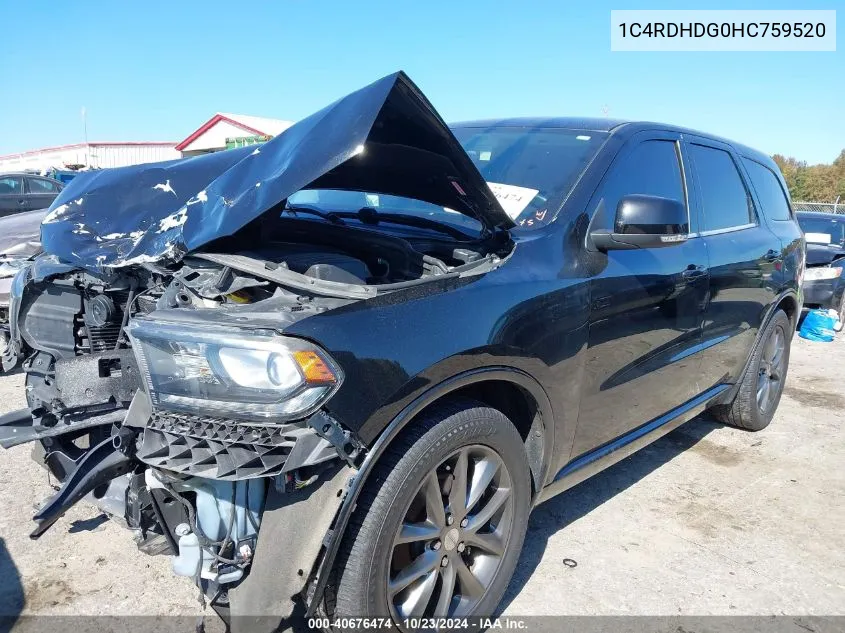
x,y
496,387
788,302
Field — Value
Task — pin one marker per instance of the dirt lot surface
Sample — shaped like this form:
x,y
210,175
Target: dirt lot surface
x,y
709,520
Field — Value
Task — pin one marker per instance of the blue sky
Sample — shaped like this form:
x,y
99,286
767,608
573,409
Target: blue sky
x,y
156,70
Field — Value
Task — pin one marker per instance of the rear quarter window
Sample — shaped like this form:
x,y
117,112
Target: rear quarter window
x,y
769,191
725,201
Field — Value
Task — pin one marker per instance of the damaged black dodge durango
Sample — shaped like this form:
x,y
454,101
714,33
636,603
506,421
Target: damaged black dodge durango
x,y
332,374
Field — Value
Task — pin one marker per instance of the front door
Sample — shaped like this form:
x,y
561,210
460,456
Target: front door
x,y
42,192
646,308
12,195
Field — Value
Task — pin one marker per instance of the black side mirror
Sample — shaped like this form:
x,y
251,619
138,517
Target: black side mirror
x,y
644,222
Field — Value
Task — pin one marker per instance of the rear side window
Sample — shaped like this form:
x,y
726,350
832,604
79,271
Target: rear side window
x,y
725,201
772,198
652,169
11,184
39,185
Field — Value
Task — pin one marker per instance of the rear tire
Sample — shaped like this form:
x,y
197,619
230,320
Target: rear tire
x,y
759,393
410,519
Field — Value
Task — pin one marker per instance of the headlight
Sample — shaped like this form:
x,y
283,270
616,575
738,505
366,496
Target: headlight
x,y
821,272
10,267
254,375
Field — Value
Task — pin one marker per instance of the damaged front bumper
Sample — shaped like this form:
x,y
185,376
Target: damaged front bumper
x,y
243,507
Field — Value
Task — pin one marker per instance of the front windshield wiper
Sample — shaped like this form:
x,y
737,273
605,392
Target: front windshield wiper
x,y
334,218
371,216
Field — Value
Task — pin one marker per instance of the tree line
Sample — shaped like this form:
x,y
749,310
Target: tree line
x,y
813,183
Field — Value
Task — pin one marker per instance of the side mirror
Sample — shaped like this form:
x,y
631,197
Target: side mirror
x,y
644,222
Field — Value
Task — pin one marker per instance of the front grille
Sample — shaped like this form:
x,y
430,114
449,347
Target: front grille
x,y
217,448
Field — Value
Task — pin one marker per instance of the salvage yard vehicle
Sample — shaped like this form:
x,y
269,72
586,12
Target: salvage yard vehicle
x,y
19,241
824,283
332,374
26,192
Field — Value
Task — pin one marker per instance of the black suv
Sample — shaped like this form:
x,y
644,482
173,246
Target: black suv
x,y
337,370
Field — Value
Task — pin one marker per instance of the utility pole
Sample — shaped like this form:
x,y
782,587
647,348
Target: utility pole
x,y
85,136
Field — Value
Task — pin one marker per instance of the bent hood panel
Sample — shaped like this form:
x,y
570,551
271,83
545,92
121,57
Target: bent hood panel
x,y
385,138
820,255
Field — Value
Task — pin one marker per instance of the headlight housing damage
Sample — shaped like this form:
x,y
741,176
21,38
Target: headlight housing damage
x,y
244,374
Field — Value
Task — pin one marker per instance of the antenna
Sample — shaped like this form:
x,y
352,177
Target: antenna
x,y
85,135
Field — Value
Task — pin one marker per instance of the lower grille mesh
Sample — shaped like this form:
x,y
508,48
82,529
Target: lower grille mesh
x,y
224,449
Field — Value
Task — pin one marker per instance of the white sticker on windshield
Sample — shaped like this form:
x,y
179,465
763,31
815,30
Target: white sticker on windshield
x,y
512,198
817,238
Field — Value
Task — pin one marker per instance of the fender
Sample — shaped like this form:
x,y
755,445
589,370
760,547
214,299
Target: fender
x,y
449,385
728,396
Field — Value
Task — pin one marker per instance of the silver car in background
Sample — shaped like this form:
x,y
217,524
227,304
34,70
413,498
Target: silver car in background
x,y
20,239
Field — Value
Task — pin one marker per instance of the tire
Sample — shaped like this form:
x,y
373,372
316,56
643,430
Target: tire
x,y
746,412
395,495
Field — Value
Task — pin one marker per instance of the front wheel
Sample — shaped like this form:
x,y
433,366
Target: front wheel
x,y
440,523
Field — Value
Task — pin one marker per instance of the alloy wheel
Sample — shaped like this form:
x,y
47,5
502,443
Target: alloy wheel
x,y
772,369
453,536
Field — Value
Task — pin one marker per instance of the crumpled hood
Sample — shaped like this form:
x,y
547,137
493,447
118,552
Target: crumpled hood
x,y
819,254
384,138
20,234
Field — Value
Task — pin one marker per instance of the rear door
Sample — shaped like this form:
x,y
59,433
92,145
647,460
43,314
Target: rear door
x,y
42,192
744,256
646,307
772,197
12,194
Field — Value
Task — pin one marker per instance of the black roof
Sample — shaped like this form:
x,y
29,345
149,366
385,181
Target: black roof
x,y
821,215
571,123
3,174
614,126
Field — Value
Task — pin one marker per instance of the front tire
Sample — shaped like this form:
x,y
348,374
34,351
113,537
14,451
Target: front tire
x,y
440,523
759,393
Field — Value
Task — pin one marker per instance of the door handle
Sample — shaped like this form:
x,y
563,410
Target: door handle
x,y
21,202
694,272
771,255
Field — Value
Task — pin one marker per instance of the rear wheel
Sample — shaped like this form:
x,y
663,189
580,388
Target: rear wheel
x,y
441,521
759,392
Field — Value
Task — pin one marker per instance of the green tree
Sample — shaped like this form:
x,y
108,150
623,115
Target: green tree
x,y
813,183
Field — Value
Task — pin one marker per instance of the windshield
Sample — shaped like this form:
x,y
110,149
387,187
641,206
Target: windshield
x,y
833,227
530,171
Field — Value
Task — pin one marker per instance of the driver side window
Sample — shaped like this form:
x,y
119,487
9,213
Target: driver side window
x,y
652,168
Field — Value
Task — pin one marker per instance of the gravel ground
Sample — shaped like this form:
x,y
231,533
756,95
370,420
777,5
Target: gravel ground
x,y
708,520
